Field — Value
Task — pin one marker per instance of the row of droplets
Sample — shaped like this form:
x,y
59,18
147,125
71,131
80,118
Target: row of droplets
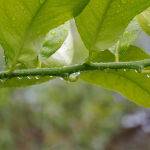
x,y
68,77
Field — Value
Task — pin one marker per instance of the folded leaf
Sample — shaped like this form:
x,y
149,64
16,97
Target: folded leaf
x,y
144,20
72,51
23,22
80,52
103,21
131,84
128,38
54,40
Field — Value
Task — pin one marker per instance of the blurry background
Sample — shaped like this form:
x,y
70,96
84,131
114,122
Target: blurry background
x,y
74,116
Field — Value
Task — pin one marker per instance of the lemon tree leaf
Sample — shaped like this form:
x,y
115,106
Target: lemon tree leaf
x,y
72,51
131,84
23,22
103,21
144,20
130,35
54,41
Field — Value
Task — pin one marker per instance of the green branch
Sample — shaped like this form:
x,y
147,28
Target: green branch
x,y
63,71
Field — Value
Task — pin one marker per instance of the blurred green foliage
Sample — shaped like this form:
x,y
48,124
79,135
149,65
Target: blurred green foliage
x,y
59,116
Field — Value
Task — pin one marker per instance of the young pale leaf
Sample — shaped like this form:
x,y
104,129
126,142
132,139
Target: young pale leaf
x,y
63,56
22,22
80,52
54,41
144,20
131,84
72,51
128,38
103,21
130,35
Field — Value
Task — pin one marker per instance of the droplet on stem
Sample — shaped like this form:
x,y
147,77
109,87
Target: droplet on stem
x,y
148,75
19,78
136,71
1,80
29,77
37,77
74,77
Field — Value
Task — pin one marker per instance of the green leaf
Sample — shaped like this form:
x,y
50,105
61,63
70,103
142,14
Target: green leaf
x,y
54,41
80,52
131,84
72,51
133,53
102,56
23,82
130,35
103,21
63,55
128,38
144,20
23,22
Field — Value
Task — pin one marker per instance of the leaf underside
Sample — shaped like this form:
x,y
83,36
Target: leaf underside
x,y
103,21
23,22
131,84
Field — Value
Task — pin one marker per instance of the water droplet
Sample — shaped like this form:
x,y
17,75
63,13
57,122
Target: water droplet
x,y
19,78
62,79
29,77
37,77
1,80
74,77
139,69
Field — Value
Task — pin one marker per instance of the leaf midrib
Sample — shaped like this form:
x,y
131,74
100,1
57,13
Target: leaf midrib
x,y
132,81
27,30
106,10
